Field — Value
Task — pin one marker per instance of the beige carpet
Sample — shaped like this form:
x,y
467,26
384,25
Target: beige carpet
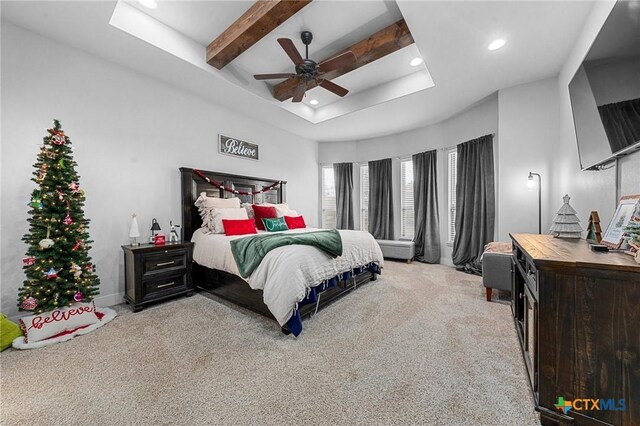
x,y
418,346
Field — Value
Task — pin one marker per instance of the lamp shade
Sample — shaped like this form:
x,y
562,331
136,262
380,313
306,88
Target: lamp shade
x,y
134,231
154,225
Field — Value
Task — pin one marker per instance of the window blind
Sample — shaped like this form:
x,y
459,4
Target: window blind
x,y
328,198
451,184
406,199
364,197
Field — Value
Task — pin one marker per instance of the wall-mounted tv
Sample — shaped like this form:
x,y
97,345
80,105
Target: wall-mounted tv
x,y
605,91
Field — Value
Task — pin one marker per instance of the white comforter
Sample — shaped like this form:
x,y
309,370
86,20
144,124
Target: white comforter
x,y
286,273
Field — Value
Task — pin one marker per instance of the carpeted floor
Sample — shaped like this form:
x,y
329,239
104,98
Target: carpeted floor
x,y
418,346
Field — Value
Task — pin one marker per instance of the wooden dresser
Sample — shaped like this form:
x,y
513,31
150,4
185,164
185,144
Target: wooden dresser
x,y
577,313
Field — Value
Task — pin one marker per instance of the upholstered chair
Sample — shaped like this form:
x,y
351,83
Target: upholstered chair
x,y
496,267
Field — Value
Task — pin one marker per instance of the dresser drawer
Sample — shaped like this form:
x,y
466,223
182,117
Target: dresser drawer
x,y
165,260
167,284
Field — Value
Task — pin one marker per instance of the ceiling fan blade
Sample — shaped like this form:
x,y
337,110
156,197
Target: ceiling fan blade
x,y
343,60
272,76
332,87
299,93
290,50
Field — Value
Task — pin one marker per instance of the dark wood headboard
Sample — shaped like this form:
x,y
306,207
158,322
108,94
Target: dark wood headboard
x,y
193,185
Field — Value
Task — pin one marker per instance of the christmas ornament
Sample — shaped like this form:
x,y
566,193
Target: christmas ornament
x,y
78,297
61,163
28,261
29,303
89,267
79,244
58,138
51,274
47,242
36,203
76,270
74,187
60,195
67,220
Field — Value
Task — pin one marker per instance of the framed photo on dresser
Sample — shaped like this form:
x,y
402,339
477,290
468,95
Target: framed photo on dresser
x,y
626,207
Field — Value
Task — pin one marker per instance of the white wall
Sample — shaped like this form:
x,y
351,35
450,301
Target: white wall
x,y
477,121
130,134
528,128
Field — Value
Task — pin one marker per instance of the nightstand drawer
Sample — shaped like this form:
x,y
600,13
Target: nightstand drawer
x,y
166,285
167,259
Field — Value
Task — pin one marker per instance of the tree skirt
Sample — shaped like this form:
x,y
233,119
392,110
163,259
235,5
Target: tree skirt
x,y
107,315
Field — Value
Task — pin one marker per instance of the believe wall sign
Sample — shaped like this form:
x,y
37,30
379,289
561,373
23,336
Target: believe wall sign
x,y
236,147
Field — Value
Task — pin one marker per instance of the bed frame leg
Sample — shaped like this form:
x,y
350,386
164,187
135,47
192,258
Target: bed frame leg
x,y
374,276
285,330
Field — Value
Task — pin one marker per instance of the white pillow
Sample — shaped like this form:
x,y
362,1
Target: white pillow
x,y
215,221
47,324
284,210
205,201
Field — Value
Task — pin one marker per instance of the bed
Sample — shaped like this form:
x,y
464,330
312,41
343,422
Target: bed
x,y
214,273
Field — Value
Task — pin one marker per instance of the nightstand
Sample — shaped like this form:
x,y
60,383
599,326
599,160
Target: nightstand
x,y
154,273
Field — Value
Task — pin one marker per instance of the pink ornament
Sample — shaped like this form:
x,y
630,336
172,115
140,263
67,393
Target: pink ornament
x,y
28,261
67,220
74,187
78,297
29,303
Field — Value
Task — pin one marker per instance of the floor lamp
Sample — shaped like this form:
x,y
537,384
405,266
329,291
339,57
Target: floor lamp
x,y
531,184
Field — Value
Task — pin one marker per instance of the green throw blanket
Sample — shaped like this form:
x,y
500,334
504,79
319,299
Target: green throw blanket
x,y
249,252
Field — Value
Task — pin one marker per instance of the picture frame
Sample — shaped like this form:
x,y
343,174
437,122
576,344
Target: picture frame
x,y
613,237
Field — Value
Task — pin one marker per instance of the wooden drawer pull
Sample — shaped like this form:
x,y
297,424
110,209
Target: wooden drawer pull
x,y
166,263
167,284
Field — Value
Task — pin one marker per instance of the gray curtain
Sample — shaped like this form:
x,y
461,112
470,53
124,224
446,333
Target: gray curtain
x,y
475,203
381,199
343,174
425,207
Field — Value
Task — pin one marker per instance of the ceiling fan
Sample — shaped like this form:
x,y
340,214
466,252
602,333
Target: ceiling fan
x,y
308,70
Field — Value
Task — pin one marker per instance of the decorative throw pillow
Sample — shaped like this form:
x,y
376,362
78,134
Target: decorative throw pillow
x,y
263,212
249,208
204,201
239,226
48,324
295,222
9,330
274,225
284,210
215,223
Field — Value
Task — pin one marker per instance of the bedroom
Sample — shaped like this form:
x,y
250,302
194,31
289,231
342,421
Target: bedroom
x,y
137,112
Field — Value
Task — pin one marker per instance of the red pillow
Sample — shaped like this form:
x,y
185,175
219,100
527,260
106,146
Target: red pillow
x,y
263,212
239,226
294,222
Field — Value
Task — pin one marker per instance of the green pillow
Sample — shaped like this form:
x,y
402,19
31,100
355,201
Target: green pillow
x,y
275,224
9,330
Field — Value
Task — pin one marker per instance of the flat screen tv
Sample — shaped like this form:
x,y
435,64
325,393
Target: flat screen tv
x,y
605,91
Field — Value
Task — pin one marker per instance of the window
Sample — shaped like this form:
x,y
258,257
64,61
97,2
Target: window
x,y
328,198
451,184
364,197
407,223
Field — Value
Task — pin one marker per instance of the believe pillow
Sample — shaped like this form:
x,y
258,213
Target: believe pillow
x,y
274,225
215,222
239,226
48,324
295,222
263,212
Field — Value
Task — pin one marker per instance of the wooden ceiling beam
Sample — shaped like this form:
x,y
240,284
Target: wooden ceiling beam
x,y
388,40
258,21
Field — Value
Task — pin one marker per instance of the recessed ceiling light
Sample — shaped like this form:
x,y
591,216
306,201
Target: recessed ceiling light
x,y
496,44
314,102
415,62
151,4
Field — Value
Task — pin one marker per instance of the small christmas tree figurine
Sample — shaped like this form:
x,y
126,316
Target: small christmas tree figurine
x,y
594,231
566,223
58,267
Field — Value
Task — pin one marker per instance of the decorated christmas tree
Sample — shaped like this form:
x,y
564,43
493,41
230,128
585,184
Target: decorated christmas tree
x,y
566,223
58,267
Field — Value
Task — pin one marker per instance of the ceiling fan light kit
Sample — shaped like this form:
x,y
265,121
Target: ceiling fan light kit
x,y
307,70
